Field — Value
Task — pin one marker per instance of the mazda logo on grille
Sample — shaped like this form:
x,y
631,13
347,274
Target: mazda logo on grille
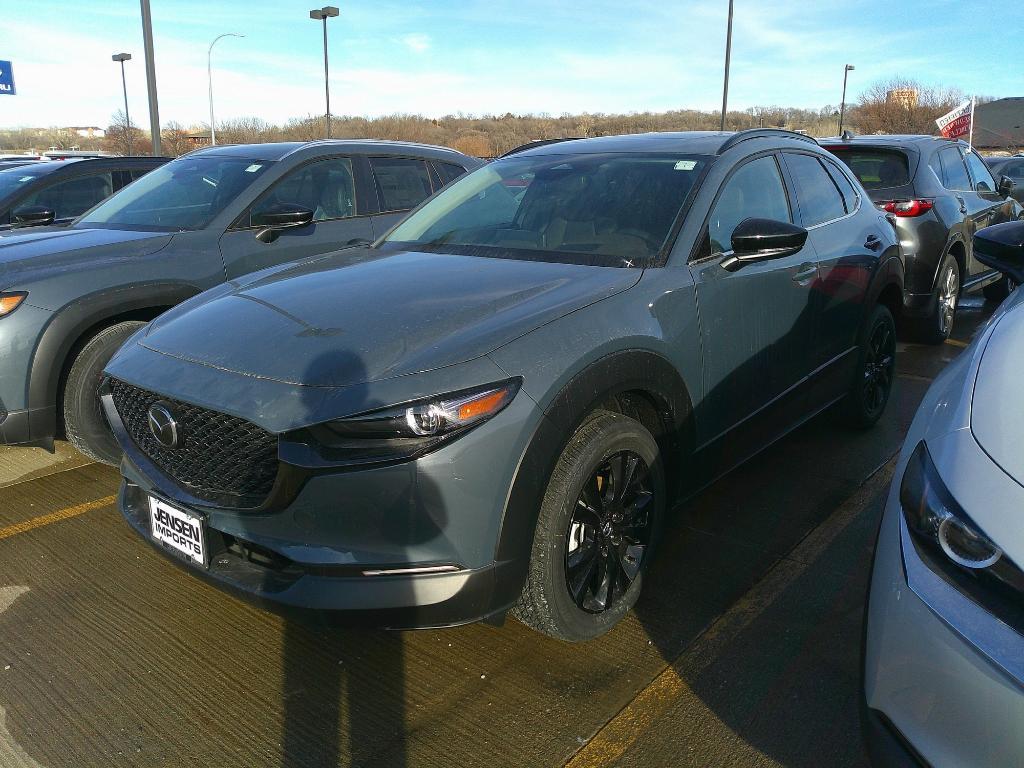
x,y
163,425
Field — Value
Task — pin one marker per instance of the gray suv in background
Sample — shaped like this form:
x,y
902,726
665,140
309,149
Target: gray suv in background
x,y
939,193
69,297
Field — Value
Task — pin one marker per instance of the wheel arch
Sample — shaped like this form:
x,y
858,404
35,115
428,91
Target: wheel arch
x,y
71,327
638,383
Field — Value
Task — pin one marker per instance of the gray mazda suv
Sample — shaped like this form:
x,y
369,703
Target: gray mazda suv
x,y
493,406
69,297
940,194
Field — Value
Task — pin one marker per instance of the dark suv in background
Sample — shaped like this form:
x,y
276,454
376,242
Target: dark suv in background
x,y
69,297
56,191
1012,167
940,194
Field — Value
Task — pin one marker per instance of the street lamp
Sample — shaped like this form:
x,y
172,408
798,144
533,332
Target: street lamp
x,y
209,75
122,58
323,14
728,56
842,105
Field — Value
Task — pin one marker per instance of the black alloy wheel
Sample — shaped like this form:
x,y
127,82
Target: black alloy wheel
x,y
609,532
879,367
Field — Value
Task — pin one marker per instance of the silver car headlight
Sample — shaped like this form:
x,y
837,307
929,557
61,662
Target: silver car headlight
x,y
953,546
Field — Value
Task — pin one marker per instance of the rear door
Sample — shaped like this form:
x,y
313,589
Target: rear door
x,y
847,247
328,187
757,323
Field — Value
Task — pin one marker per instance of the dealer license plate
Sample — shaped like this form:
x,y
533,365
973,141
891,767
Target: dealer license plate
x,y
178,530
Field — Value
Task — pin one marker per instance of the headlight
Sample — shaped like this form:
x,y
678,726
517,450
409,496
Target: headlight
x,y
953,546
11,301
411,429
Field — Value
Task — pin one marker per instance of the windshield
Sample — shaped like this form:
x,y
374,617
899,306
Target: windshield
x,y
609,209
876,168
184,194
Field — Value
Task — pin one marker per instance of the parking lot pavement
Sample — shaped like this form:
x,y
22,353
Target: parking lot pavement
x,y
744,648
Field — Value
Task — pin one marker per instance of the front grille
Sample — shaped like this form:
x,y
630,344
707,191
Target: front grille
x,y
220,458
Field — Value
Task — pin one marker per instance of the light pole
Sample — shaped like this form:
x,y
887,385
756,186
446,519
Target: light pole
x,y
209,75
728,56
842,105
147,43
122,58
323,14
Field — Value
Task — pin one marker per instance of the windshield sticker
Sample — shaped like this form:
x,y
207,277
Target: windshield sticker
x,y
253,168
686,165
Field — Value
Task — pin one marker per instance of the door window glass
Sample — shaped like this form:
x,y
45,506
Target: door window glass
x,y
402,183
983,181
73,197
846,187
951,171
818,194
449,172
325,187
754,191
1014,170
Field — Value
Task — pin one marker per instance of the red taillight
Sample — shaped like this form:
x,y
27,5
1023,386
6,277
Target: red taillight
x,y
906,209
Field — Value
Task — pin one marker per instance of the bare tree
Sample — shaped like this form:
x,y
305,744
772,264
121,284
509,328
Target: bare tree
x,y
902,105
123,138
174,139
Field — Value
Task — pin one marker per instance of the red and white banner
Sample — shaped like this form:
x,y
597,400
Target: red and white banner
x,y
957,124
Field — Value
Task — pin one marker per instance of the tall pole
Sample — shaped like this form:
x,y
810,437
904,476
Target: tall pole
x,y
728,56
842,104
209,75
327,82
154,109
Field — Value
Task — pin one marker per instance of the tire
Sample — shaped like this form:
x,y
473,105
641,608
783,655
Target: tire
x,y
873,378
938,324
998,290
601,541
84,422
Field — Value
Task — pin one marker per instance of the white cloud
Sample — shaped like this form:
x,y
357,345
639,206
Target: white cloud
x,y
416,42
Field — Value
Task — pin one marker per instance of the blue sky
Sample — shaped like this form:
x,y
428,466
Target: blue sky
x,y
438,57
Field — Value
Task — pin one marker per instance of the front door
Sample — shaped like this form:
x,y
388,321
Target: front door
x,y
326,187
985,205
756,323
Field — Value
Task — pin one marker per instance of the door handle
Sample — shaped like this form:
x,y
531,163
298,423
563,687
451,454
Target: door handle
x,y
806,274
873,243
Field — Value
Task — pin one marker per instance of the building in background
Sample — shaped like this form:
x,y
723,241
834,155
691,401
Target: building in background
x,y
999,125
87,132
903,97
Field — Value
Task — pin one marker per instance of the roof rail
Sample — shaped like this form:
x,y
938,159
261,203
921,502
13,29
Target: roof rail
x,y
763,133
537,143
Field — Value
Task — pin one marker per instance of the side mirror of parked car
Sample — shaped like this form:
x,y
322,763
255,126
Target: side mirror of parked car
x,y
761,240
1002,247
281,216
1006,186
33,216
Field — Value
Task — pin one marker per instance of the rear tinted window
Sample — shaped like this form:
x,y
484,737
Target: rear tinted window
x,y
845,186
819,197
949,166
875,168
449,172
401,183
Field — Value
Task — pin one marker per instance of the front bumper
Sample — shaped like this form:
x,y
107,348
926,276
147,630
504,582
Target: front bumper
x,y
943,678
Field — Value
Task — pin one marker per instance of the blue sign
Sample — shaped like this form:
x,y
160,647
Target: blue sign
x,y
7,79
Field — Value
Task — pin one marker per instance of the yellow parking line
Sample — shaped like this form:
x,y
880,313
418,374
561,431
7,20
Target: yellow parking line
x,y
55,517
956,342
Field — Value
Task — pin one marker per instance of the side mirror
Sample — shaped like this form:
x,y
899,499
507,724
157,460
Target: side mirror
x,y
757,240
1002,247
1006,186
282,216
33,216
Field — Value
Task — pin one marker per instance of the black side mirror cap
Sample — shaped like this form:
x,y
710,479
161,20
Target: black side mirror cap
x,y
283,216
33,216
1002,247
756,240
1006,186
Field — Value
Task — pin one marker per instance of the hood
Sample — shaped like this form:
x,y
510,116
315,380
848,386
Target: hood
x,y
358,316
997,409
54,249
